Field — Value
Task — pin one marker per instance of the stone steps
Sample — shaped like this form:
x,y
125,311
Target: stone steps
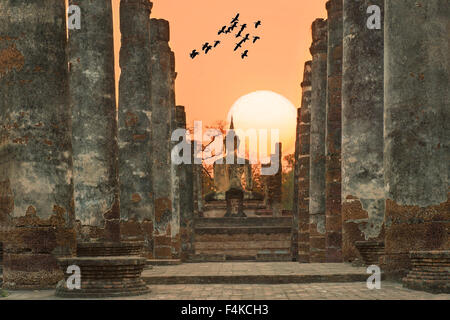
x,y
254,279
242,244
245,221
250,254
206,258
243,230
242,239
277,256
261,256
163,262
224,237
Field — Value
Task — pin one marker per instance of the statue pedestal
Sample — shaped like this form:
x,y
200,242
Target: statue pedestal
x,y
216,205
235,203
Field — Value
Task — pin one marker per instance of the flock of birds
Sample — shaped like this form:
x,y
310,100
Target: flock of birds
x,y
242,39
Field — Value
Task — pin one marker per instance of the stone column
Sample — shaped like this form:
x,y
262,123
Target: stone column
x,y
333,138
94,134
362,128
197,176
274,183
175,176
303,166
135,144
198,184
278,182
296,196
1,254
185,190
176,209
161,87
416,129
36,190
317,141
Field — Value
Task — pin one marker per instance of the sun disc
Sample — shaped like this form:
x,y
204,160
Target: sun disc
x,y
266,110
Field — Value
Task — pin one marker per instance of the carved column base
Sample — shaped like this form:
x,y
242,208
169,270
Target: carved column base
x,y
103,277
430,271
107,249
371,251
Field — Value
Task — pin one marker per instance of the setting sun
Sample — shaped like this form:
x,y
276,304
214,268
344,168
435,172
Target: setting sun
x,y
266,110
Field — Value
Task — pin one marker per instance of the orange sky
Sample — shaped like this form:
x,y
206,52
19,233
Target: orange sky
x,y
209,85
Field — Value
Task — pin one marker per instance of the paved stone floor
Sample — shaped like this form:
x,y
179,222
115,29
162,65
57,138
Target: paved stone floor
x,y
353,289
314,291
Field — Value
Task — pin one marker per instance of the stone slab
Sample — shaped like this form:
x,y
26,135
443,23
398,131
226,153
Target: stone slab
x,y
252,273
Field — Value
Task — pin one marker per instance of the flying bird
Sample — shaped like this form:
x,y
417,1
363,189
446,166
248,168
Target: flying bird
x,y
255,38
238,45
246,37
235,19
240,31
232,27
223,30
205,46
257,24
194,53
216,43
244,54
207,49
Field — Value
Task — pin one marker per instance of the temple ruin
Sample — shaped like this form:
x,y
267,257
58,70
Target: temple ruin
x,y
378,183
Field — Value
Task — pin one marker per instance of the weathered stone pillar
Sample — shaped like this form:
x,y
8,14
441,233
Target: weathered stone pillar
x,y
198,183
1,255
296,196
302,163
333,221
362,128
278,182
36,190
416,129
176,209
176,122
274,183
135,144
185,189
161,86
94,133
110,266
317,141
